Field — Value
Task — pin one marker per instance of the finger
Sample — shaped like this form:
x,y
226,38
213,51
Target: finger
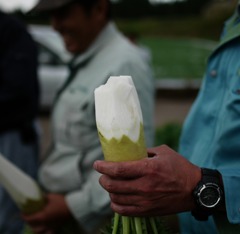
x,y
159,150
128,210
134,210
33,219
50,232
132,169
126,200
133,186
39,229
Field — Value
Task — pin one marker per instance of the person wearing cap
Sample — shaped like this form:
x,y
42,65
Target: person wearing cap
x,y
201,183
66,174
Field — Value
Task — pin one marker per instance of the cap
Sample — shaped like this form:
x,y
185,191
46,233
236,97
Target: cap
x,y
48,5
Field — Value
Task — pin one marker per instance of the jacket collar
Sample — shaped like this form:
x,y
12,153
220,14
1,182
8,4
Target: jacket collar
x,y
231,29
103,38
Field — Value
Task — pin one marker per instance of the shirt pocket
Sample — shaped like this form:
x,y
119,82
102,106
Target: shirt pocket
x,y
70,116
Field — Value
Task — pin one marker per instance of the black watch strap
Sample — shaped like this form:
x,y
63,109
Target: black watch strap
x,y
201,215
208,176
211,176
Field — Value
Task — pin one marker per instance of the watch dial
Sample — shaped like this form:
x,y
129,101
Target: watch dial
x,y
209,196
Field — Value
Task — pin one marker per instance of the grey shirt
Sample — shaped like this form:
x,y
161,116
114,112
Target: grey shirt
x,y
68,167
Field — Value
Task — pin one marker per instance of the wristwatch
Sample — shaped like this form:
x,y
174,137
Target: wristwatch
x,y
208,194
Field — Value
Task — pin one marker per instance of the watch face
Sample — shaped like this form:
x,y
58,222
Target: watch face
x,y
209,195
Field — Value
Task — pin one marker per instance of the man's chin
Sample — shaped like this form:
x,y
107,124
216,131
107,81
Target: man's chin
x,y
73,49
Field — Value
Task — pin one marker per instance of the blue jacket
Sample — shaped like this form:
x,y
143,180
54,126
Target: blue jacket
x,y
211,134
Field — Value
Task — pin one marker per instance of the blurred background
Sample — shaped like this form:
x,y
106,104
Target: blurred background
x,y
176,35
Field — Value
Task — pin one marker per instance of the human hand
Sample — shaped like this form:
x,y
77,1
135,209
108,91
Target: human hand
x,y
48,219
159,185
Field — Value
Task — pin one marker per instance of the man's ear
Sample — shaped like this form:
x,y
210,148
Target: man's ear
x,y
100,9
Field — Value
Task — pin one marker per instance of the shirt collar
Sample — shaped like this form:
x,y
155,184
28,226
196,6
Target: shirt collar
x,y
107,33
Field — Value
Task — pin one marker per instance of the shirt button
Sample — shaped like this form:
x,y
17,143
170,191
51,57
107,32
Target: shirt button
x,y
213,73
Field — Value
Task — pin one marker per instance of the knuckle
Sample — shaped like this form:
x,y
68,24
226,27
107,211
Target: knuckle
x,y
147,189
109,186
140,209
106,183
122,210
119,171
143,190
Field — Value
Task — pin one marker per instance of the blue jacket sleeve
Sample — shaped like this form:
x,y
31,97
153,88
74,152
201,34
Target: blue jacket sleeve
x,y
231,180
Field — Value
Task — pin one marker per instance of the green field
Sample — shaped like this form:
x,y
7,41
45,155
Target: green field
x,y
178,57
